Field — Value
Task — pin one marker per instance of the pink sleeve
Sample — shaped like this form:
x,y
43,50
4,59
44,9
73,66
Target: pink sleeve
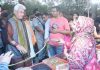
x,y
66,25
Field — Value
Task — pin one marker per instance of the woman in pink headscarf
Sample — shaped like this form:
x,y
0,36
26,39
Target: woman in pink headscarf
x,y
83,48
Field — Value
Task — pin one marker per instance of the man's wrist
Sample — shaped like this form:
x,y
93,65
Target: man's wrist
x,y
71,32
58,31
14,43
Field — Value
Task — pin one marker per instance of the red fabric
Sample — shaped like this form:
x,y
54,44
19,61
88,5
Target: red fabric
x,y
67,41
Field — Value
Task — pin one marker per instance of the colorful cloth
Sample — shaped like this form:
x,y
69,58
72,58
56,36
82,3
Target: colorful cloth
x,y
83,45
21,32
31,37
30,30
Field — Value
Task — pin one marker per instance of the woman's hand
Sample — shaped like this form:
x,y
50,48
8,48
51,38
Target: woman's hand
x,y
6,58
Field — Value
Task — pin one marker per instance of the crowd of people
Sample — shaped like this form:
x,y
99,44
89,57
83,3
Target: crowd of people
x,y
21,36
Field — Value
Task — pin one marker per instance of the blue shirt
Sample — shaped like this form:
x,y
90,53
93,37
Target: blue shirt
x,y
4,66
35,23
46,35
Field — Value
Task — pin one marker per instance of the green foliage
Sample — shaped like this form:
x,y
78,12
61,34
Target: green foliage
x,y
32,5
70,6
8,7
66,6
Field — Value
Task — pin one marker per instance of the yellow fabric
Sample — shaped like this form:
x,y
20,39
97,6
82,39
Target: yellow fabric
x,y
20,32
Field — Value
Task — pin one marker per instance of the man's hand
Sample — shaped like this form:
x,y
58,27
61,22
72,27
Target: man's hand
x,y
60,31
46,41
61,41
21,49
42,32
6,58
54,31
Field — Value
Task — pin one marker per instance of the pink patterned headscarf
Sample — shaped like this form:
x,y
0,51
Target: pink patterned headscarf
x,y
85,24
